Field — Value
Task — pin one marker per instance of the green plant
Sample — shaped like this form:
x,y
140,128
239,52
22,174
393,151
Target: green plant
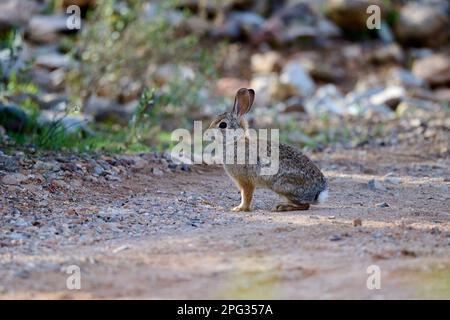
x,y
122,45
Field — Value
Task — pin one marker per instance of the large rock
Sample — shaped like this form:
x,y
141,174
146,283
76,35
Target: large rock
x,y
80,3
420,24
390,96
241,25
296,22
296,81
52,61
375,100
327,100
388,53
16,12
266,85
351,15
14,179
266,62
45,29
70,123
435,69
13,118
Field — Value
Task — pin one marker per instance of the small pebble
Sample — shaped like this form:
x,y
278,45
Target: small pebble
x,y
382,205
357,222
121,248
335,237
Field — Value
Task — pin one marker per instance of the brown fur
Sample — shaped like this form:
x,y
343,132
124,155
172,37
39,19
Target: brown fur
x,y
298,179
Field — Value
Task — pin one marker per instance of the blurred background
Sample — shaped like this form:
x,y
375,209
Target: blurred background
x,y
136,70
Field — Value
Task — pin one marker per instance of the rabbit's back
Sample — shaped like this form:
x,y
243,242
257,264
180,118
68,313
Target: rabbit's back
x,y
297,177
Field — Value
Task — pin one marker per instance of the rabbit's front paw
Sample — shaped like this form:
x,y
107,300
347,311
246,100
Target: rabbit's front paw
x,y
241,208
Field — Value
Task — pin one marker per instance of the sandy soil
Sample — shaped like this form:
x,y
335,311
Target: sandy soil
x,y
175,236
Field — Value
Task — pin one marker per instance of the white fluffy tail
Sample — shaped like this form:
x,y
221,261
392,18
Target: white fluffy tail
x,y
323,196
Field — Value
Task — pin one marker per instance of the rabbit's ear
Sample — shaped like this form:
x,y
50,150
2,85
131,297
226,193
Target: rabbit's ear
x,y
243,101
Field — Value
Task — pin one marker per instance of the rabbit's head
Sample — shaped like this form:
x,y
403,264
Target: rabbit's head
x,y
234,119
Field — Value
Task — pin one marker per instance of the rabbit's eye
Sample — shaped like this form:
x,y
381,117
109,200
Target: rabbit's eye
x,y
222,125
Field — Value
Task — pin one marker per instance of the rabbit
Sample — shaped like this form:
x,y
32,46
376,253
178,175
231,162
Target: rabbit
x,y
298,179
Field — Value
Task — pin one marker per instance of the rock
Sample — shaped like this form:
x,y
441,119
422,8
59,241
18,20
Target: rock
x,y
46,166
382,205
80,3
45,29
157,172
98,171
435,231
116,115
53,61
267,87
111,177
14,179
435,69
420,24
360,103
13,118
388,53
70,123
416,107
60,184
120,248
374,185
328,99
357,222
266,62
138,164
405,78
393,180
96,104
351,15
443,94
16,12
7,163
390,96
185,167
52,101
168,72
335,237
240,24
296,81
49,80
378,234
322,71
295,22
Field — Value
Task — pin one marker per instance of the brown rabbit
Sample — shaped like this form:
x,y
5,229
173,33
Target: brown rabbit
x,y
298,179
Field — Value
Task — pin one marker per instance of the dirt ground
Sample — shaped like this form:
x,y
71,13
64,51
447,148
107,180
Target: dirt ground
x,y
173,236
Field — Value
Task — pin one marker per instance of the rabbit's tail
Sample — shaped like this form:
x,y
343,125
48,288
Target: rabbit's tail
x,y
322,196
